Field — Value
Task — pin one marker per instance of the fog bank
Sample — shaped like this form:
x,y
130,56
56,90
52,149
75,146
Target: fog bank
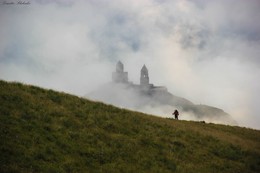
x,y
207,52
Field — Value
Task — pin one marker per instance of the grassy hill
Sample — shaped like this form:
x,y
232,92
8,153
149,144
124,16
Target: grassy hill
x,y
47,131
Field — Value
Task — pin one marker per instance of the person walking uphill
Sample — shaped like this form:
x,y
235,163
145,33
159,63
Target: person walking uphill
x,y
176,114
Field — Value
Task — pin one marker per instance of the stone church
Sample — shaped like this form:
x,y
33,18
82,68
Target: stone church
x,y
120,76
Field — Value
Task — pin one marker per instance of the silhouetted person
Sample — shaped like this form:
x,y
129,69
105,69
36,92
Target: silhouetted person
x,y
176,114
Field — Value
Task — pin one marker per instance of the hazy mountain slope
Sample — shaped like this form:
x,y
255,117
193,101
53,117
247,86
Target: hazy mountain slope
x,y
47,131
156,102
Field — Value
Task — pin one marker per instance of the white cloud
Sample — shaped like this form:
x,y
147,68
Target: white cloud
x,y
205,51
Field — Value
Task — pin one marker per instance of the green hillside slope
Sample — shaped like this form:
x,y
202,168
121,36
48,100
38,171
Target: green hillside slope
x,y
47,131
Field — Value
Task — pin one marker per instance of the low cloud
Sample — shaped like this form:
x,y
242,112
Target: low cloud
x,y
207,52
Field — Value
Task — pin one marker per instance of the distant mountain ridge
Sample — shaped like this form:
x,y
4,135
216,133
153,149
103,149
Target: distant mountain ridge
x,y
152,99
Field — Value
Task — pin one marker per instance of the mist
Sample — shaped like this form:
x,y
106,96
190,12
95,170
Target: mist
x,y
207,52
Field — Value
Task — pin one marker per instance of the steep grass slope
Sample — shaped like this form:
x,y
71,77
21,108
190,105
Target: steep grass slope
x,y
47,131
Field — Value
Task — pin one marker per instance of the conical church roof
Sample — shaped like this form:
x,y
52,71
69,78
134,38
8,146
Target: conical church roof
x,y
119,66
144,68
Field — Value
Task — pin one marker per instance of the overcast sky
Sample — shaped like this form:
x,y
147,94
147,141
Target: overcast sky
x,y
205,51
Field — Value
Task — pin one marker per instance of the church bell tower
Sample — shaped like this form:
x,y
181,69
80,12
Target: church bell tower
x,y
144,79
119,76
